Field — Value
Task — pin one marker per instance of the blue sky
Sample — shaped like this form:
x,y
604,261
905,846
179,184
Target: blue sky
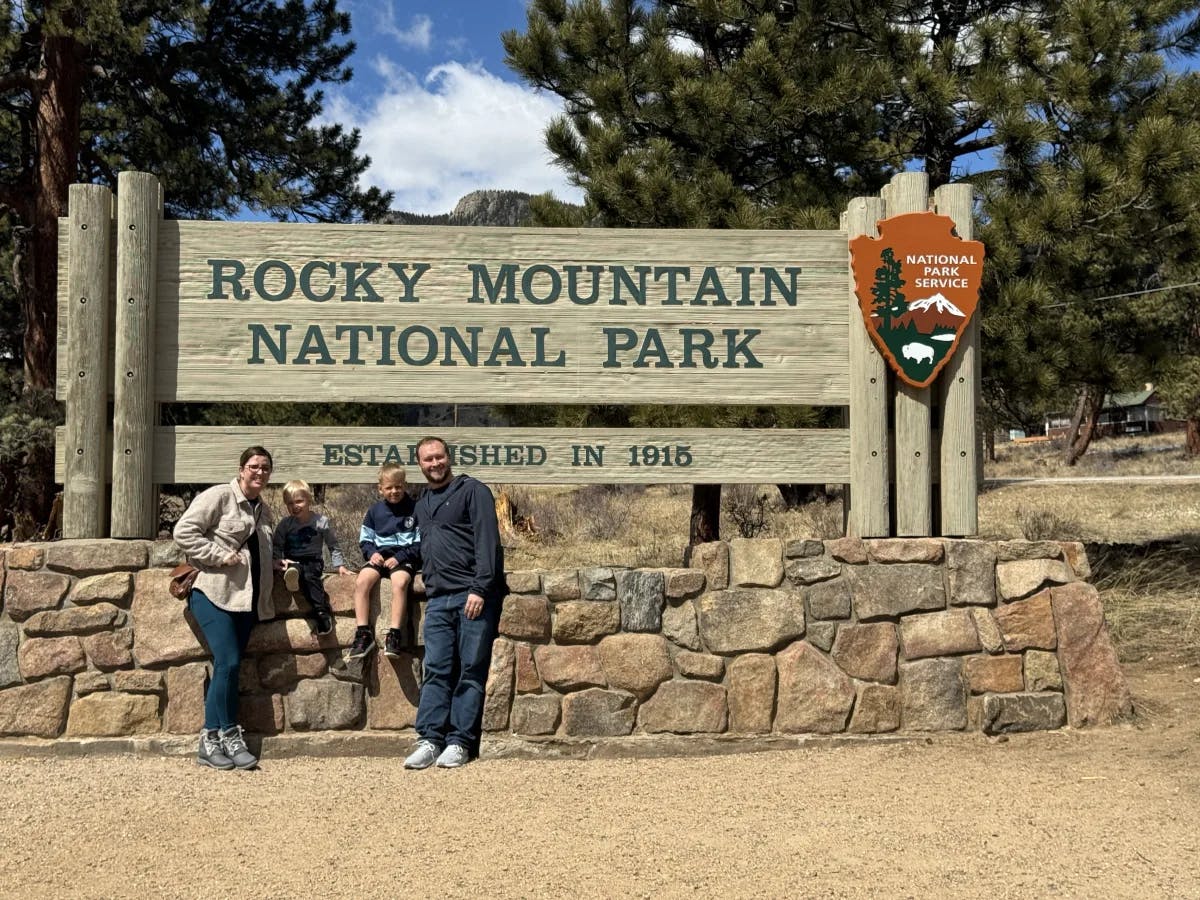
x,y
440,113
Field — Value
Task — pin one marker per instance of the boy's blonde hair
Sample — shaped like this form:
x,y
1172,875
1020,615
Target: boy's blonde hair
x,y
294,487
392,471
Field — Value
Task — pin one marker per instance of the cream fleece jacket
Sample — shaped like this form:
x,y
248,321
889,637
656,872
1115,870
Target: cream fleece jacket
x,y
215,525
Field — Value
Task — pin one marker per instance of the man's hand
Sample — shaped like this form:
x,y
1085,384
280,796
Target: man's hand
x,y
376,559
474,606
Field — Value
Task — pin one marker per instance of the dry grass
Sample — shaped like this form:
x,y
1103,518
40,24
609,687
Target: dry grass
x,y
1102,512
1151,599
635,526
1159,454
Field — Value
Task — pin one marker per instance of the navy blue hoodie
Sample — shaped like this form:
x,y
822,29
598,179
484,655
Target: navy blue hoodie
x,y
391,529
460,541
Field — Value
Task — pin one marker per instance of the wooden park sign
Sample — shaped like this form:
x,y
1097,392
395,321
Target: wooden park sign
x,y
158,311
917,286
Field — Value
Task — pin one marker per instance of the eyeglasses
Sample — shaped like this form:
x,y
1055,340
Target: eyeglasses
x,y
259,468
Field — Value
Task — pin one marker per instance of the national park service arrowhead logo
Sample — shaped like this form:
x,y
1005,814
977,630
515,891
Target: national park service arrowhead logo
x,y
917,286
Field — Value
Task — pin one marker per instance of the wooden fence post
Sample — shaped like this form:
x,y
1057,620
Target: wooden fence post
x,y
88,307
914,459
134,494
960,384
867,514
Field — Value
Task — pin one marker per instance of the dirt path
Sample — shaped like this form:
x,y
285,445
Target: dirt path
x,y
1104,813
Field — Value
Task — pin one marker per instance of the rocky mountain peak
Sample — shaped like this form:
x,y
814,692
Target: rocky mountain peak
x,y
490,207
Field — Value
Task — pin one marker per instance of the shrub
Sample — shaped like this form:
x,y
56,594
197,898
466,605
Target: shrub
x,y
745,506
1045,525
824,519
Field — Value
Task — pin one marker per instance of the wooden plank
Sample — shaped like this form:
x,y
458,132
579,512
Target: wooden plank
x,y
868,511
195,454
959,391
397,342
134,497
914,510
88,308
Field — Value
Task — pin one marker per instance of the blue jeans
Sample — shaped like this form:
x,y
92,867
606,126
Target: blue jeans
x,y
458,652
226,634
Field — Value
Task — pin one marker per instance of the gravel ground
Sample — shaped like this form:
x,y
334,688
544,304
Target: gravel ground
x,y
1103,813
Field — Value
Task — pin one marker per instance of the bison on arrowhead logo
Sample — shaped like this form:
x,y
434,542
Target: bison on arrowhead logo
x,y
917,286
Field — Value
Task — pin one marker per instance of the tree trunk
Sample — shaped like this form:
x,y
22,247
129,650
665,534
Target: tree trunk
x,y
59,94
1193,437
706,514
1084,422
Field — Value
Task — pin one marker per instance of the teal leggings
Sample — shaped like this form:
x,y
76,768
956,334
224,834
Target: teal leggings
x,y
226,634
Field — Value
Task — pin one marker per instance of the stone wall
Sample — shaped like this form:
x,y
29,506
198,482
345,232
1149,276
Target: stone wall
x,y
759,637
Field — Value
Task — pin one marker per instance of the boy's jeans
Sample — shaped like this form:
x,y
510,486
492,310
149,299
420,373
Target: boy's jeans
x,y
458,652
312,584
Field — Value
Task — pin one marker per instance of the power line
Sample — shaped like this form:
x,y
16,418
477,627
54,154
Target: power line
x,y
1168,287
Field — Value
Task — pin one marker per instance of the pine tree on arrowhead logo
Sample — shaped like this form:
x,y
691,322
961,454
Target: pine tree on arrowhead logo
x,y
917,286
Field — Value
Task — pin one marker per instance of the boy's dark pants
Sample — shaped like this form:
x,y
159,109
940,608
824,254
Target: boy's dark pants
x,y
312,584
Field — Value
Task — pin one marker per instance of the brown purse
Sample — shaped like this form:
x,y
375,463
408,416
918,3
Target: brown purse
x,y
183,576
182,579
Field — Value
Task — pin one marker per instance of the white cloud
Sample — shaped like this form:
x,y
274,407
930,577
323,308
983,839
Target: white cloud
x,y
458,129
417,36
681,43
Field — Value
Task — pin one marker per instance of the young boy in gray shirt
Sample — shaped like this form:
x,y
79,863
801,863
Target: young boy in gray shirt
x,y
300,538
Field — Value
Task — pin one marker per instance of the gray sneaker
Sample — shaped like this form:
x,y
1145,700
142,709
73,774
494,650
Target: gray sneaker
x,y
424,756
211,753
453,756
291,578
234,745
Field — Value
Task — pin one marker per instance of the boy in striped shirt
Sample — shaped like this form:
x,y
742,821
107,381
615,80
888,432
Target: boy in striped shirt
x,y
390,543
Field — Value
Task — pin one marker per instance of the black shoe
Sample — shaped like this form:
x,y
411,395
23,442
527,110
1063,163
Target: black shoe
x,y
324,624
364,643
391,643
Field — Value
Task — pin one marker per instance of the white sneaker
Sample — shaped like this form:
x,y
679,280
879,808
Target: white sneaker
x,y
423,756
291,578
453,756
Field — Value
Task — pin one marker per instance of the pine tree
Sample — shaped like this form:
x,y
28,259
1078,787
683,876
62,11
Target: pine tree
x,y
1096,199
218,100
889,300
1173,317
702,115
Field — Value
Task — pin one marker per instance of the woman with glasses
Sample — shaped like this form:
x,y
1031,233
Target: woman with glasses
x,y
226,534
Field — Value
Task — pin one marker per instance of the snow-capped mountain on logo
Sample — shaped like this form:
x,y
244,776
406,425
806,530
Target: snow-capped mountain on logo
x,y
931,314
939,304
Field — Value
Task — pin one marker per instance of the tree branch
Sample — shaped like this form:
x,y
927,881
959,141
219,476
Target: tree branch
x,y
18,81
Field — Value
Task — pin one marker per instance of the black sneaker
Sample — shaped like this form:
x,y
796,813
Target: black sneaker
x,y
391,643
324,623
364,643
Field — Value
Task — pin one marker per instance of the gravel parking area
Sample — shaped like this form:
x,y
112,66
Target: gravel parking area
x,y
1109,812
